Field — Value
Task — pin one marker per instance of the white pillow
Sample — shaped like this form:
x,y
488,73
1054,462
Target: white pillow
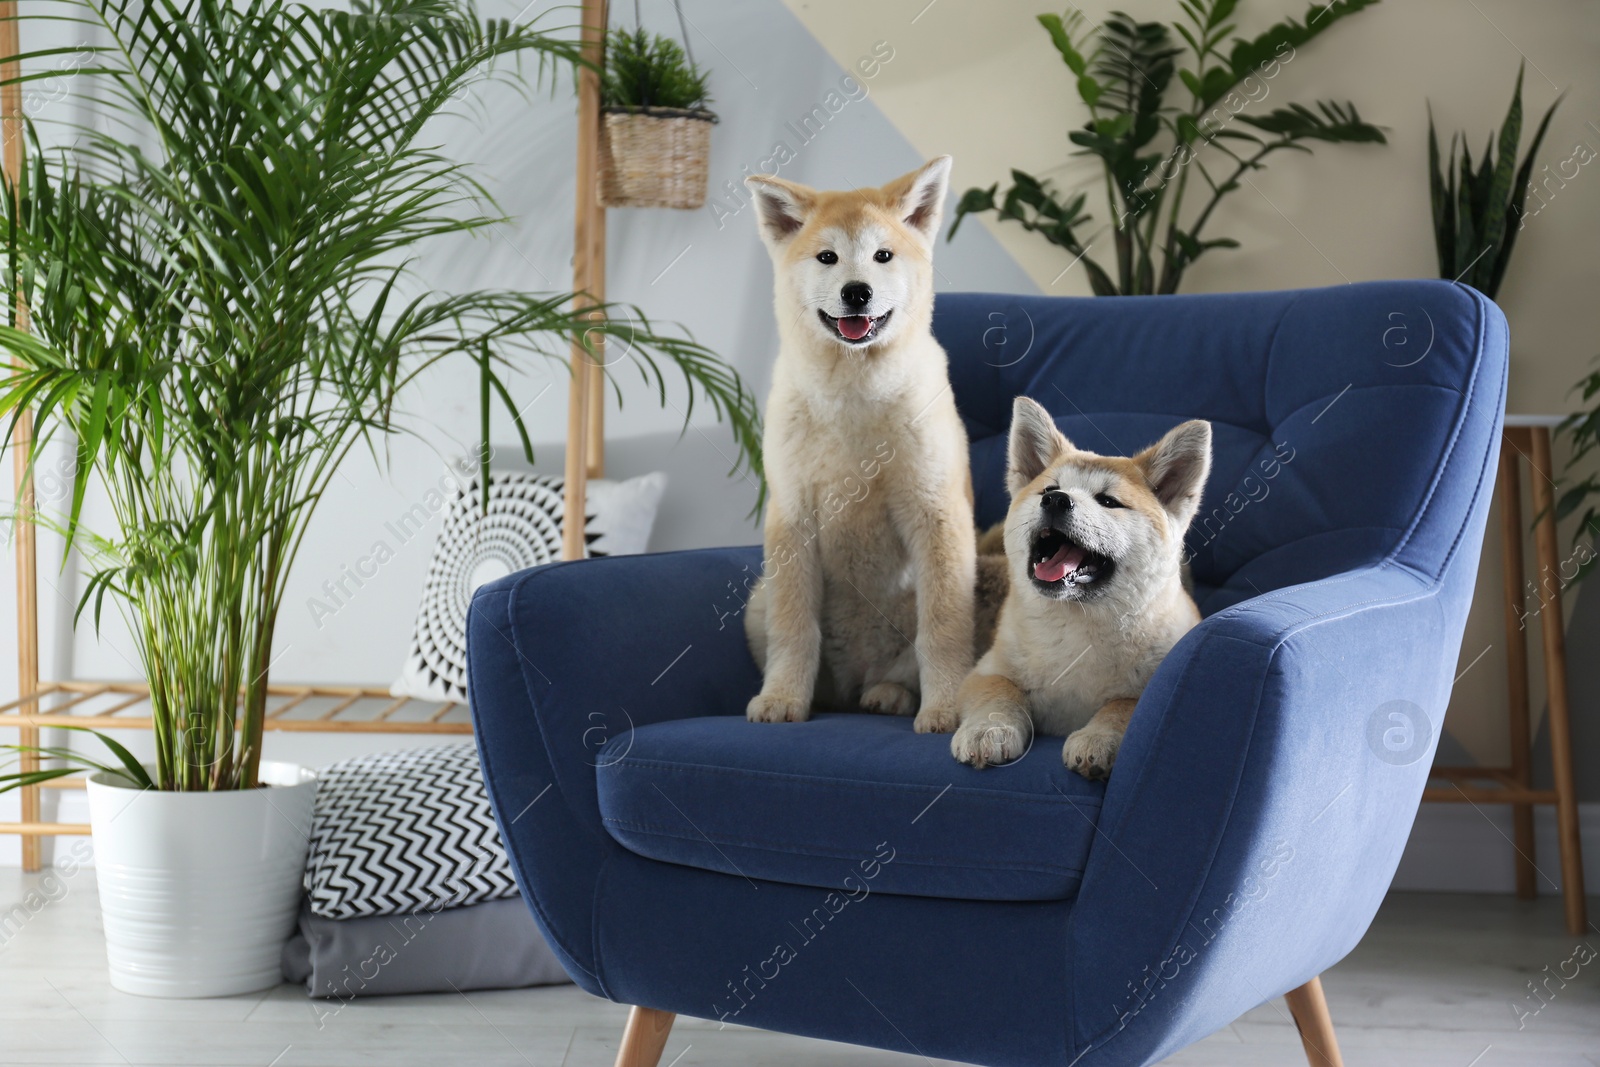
x,y
521,529
621,514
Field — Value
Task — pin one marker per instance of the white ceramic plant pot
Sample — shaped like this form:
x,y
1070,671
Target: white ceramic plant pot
x,y
199,890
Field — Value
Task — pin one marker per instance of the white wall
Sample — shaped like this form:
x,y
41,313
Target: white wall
x,y
982,81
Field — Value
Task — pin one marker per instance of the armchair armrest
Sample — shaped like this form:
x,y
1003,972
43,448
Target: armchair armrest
x,y
604,645
1262,798
562,659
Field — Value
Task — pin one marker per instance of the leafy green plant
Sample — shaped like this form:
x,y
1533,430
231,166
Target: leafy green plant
x,y
1148,149
219,321
645,70
1583,431
127,765
1477,211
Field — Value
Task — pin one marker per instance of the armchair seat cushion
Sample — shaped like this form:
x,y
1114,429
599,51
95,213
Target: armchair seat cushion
x,y
850,802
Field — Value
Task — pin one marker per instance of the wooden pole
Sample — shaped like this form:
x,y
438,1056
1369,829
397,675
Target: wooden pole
x,y
597,380
21,442
1555,673
588,235
1517,654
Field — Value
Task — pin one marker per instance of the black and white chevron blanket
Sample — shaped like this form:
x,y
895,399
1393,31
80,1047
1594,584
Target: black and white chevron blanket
x,y
400,832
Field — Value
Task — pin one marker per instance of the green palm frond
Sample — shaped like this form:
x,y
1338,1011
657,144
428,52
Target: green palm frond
x,y
1249,56
1133,66
1332,122
126,766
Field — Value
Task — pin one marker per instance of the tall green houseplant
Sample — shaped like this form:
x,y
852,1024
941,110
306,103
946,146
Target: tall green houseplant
x,y
1151,150
219,321
1479,210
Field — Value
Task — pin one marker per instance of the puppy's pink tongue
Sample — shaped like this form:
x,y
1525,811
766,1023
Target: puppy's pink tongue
x,y
1058,566
855,327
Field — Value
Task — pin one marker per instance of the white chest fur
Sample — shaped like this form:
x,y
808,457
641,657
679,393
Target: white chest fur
x,y
1070,659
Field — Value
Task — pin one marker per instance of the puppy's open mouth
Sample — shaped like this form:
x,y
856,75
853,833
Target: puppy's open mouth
x,y
1060,565
855,329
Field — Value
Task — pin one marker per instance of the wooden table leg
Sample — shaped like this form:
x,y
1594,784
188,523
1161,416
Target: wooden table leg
x,y
1517,608
1555,671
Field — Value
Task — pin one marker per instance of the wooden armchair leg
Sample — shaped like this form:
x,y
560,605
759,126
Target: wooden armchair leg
x,y
1311,1018
645,1036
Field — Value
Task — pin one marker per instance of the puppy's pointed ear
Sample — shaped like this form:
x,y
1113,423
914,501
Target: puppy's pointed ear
x,y
919,196
781,207
1034,445
1176,468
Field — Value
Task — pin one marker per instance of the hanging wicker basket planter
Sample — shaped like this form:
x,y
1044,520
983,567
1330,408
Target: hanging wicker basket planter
x,y
655,157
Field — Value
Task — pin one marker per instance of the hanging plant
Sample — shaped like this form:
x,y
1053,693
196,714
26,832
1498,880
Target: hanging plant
x,y
655,144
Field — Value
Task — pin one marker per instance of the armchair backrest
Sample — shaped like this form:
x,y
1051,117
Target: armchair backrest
x,y
1336,413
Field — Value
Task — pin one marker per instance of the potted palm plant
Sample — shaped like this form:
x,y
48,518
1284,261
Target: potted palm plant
x,y
217,322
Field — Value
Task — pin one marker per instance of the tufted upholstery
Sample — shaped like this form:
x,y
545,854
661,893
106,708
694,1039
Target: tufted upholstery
x,y
1265,369
1255,816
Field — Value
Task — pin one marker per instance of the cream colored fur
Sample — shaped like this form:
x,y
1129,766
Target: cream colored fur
x,y
869,569
1074,660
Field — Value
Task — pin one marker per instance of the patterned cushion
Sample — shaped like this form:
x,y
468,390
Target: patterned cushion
x,y
402,831
520,529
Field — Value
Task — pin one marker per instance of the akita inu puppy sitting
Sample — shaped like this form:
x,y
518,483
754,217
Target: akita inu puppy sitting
x,y
869,532
1097,597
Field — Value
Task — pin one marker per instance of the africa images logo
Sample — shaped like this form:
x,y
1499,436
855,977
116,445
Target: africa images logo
x,y
1399,732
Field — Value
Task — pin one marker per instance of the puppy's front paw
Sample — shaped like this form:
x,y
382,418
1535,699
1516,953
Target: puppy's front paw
x,y
936,719
1092,750
984,742
775,707
887,698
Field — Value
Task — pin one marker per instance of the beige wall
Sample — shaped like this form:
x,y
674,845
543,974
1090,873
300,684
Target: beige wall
x,y
981,81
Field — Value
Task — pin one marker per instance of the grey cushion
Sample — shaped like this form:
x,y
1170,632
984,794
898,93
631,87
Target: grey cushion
x,y
493,945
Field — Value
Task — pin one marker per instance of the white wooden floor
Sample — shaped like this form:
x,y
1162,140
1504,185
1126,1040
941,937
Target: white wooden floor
x,y
1432,985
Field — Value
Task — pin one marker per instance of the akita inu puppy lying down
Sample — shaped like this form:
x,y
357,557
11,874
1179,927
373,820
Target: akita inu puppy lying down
x,y
1096,599
861,412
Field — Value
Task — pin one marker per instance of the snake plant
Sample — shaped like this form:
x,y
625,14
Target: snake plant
x,y
1478,210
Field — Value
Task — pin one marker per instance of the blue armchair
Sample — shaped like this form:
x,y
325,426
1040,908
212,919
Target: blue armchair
x,y
847,878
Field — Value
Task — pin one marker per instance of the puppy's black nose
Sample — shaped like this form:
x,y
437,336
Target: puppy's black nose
x,y
856,295
1054,500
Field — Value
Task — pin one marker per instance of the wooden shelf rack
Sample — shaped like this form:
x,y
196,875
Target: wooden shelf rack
x,y
298,709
